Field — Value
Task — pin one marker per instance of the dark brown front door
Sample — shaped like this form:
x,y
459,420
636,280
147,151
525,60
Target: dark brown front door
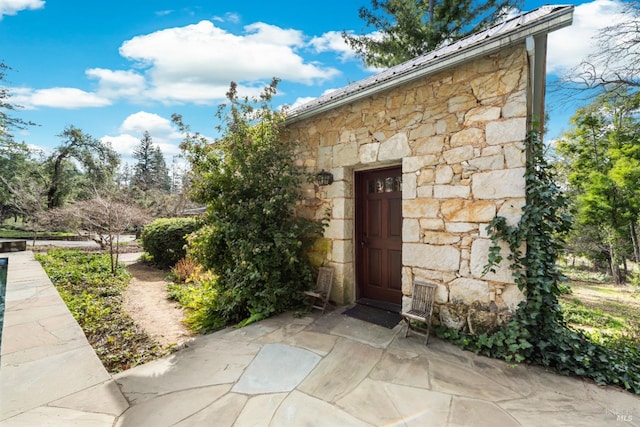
x,y
379,234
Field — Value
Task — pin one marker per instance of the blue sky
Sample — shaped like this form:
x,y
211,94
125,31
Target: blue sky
x,y
117,68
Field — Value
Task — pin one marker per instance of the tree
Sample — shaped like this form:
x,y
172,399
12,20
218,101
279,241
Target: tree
x,y
142,169
26,196
616,63
405,29
602,156
105,218
252,240
14,156
7,121
160,171
150,172
15,161
98,160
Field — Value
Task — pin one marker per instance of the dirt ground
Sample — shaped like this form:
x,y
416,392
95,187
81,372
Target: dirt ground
x,y
147,303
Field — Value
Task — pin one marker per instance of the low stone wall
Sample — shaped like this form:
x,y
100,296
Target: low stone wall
x,y
13,245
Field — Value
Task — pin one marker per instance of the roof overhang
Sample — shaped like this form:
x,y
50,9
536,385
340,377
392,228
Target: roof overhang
x,y
541,21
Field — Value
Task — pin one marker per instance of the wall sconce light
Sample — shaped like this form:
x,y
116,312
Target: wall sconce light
x,y
324,177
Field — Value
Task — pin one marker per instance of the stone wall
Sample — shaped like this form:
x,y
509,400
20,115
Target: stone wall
x,y
459,138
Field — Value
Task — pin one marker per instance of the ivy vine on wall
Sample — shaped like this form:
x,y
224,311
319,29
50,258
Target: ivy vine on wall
x,y
538,333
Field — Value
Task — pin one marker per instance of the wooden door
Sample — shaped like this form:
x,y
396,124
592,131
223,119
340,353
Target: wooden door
x,y
379,234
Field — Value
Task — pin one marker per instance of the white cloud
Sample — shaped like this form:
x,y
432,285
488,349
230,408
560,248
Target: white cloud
x,y
123,144
332,41
197,62
162,132
12,7
301,101
143,121
57,97
234,18
116,84
569,46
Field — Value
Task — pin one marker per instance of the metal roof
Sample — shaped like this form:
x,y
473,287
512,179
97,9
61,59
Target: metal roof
x,y
542,20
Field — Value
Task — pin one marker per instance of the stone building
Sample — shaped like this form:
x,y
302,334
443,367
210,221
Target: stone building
x,y
423,156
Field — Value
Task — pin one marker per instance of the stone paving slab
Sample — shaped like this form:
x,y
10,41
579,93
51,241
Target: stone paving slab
x,y
341,371
208,361
277,368
381,403
171,408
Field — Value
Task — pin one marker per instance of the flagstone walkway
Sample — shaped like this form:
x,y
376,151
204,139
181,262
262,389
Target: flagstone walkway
x,y
329,370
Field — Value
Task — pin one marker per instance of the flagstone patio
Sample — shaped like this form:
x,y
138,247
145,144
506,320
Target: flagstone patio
x,y
329,370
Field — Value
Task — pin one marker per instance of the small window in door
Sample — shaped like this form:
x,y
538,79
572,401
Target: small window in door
x,y
387,184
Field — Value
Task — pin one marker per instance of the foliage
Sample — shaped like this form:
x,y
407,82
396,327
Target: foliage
x,y
575,312
25,195
186,270
601,155
252,241
197,292
105,218
8,122
538,332
98,161
15,157
405,29
150,171
94,297
165,239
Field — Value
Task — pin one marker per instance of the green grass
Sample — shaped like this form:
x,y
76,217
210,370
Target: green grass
x,y
584,274
577,313
606,313
95,298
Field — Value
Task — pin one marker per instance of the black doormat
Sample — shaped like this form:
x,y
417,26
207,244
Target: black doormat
x,y
388,319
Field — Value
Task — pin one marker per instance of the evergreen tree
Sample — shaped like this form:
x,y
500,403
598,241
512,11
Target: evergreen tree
x,y
150,172
160,171
142,169
405,29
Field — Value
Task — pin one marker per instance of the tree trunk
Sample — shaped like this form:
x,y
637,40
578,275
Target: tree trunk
x,y
634,239
615,268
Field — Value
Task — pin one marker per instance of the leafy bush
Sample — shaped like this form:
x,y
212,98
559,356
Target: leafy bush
x,y
185,271
253,241
94,297
165,239
198,295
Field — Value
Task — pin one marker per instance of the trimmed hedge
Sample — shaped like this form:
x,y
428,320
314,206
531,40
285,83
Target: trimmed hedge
x,y
165,239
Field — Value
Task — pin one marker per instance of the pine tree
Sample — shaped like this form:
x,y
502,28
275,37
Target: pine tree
x,y
151,171
142,169
405,29
160,172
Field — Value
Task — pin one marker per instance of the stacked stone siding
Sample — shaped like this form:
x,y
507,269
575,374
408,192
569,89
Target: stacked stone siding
x,y
459,136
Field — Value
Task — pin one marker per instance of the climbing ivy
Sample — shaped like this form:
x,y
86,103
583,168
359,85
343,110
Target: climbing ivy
x,y
538,333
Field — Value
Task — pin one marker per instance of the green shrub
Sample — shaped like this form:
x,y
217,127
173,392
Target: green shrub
x,y
165,239
253,241
199,297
